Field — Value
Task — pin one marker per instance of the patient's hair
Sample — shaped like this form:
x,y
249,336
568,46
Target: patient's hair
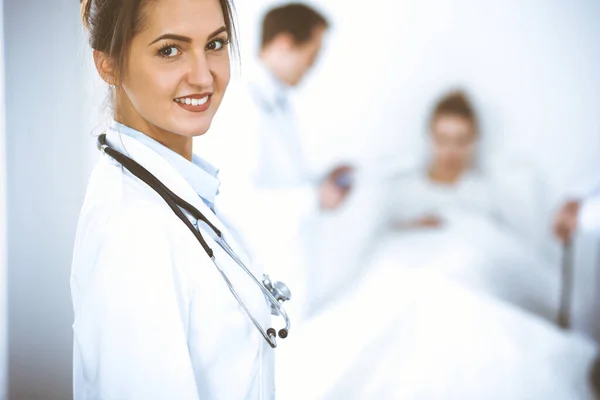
x,y
112,24
298,20
455,103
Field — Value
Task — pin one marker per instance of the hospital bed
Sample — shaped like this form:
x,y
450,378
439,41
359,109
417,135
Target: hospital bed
x,y
506,259
467,312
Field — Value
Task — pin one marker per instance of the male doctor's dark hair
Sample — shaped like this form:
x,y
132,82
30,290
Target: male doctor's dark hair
x,y
295,19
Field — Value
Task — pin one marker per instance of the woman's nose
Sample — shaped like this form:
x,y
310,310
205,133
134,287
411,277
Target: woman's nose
x,y
200,74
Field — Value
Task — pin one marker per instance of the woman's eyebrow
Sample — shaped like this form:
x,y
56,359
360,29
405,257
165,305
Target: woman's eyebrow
x,y
172,36
186,39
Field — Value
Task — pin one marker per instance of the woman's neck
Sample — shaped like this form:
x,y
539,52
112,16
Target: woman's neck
x,y
127,115
181,145
445,175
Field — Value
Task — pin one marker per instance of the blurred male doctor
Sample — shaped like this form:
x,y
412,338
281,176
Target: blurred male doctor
x,y
268,193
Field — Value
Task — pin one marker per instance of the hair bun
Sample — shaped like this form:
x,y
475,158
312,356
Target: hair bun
x,y
86,10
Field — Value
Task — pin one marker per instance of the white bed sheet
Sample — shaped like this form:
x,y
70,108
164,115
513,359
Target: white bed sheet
x,y
483,254
406,333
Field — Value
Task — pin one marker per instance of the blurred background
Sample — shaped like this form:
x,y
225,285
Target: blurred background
x,y
529,67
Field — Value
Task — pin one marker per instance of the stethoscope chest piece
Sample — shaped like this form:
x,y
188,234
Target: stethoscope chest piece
x,y
278,290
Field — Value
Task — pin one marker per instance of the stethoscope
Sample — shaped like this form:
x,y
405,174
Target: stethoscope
x,y
275,292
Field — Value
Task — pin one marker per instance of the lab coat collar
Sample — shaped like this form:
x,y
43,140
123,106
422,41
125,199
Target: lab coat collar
x,y
200,174
272,90
157,166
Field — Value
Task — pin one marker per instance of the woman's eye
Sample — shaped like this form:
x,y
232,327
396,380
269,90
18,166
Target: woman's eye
x,y
170,51
216,45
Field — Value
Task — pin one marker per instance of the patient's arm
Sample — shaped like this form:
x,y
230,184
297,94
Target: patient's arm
x,y
426,221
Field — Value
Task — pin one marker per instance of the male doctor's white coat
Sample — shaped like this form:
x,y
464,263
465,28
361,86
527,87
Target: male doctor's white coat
x,y
154,319
267,185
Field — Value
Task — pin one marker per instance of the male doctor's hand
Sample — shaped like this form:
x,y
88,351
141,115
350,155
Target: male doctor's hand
x,y
565,222
336,187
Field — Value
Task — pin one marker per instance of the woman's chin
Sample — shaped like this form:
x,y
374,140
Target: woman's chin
x,y
192,129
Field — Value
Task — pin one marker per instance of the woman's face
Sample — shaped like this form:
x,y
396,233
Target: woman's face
x,y
177,69
454,140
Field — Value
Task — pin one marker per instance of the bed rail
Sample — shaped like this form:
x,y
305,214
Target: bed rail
x,y
566,287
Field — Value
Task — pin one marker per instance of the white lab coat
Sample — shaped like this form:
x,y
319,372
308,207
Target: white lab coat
x,y
154,319
265,182
589,217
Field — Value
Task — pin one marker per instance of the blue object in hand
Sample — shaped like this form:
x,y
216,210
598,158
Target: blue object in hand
x,y
344,179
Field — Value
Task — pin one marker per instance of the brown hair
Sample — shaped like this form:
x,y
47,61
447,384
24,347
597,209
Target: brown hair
x,y
112,24
298,20
455,103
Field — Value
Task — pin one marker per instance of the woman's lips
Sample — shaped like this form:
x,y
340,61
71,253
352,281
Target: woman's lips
x,y
194,103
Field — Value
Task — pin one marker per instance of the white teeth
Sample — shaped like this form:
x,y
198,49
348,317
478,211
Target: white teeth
x,y
193,102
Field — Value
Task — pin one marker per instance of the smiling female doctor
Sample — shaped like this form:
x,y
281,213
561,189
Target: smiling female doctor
x,y
164,307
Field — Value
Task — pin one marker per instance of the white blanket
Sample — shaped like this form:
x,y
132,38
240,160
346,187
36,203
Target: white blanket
x,y
411,334
482,254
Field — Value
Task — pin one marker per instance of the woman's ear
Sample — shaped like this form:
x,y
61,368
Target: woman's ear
x,y
105,67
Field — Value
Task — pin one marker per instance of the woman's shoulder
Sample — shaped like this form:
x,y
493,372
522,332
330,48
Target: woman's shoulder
x,y
117,201
118,229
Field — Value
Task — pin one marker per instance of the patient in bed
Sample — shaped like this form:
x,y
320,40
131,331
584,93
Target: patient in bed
x,y
449,181
449,217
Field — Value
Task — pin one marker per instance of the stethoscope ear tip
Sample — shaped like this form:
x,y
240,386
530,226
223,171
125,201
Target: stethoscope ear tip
x,y
283,333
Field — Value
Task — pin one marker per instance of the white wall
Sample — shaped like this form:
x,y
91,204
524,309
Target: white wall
x,y
531,67
3,258
47,160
